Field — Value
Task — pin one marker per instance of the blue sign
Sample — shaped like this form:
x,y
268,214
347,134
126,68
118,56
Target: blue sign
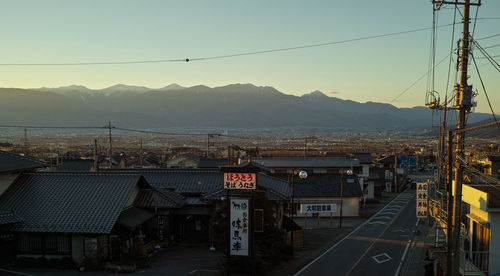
x,y
408,162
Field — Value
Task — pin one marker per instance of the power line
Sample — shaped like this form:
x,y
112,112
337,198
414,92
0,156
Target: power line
x,y
224,56
413,84
484,89
486,37
492,46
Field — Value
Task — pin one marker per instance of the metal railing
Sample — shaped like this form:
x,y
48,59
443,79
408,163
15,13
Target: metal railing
x,y
474,262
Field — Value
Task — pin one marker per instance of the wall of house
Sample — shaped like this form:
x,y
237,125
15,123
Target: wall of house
x,y
6,180
350,206
476,199
77,248
494,264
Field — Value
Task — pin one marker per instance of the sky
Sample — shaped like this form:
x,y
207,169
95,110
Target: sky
x,y
367,70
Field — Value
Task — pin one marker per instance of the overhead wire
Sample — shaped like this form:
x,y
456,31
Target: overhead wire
x,y
484,89
224,56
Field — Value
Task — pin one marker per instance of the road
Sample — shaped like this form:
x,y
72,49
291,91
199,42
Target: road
x,y
375,247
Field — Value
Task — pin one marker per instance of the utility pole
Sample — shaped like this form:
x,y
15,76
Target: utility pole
x,y
395,172
25,142
95,166
305,147
463,102
110,146
449,200
140,153
208,145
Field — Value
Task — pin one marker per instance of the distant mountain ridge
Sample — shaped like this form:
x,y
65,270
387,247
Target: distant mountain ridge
x,y
230,106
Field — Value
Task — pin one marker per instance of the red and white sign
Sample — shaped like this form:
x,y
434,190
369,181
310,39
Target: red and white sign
x,y
240,181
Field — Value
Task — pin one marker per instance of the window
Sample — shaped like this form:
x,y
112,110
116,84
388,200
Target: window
x,y
258,220
48,244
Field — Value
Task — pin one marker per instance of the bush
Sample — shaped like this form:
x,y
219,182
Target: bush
x,y
42,262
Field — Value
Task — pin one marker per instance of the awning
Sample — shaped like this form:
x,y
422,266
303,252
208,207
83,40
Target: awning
x,y
133,217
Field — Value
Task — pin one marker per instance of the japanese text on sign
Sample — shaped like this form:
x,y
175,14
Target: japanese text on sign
x,y
240,181
422,200
318,208
239,227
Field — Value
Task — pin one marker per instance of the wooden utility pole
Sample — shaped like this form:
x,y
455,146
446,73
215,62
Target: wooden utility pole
x,y
95,163
395,172
208,145
140,153
25,142
449,200
110,146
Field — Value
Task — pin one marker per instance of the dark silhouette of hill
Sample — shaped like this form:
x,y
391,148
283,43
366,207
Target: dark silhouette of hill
x,y
231,106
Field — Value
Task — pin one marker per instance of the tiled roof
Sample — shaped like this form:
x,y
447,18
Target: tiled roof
x,y
211,163
162,198
69,202
364,158
9,217
201,181
327,186
306,162
76,165
132,217
11,162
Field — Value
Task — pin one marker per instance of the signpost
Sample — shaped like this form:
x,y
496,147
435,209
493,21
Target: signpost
x,y
422,199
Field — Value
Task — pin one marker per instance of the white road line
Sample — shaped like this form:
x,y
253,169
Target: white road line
x,y
406,251
15,272
344,238
377,222
383,217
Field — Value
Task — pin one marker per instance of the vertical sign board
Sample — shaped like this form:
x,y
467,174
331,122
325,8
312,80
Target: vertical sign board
x,y
239,227
422,199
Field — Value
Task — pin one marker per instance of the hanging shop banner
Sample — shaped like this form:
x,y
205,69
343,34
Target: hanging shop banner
x,y
240,181
422,199
239,227
318,208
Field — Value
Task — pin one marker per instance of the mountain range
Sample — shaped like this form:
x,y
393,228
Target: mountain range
x,y
231,106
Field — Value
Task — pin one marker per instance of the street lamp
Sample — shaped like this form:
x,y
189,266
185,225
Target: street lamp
x,y
302,175
348,172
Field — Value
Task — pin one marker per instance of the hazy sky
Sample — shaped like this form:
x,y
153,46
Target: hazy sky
x,y
369,70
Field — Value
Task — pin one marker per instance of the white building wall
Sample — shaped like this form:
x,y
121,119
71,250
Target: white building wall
x,y
494,259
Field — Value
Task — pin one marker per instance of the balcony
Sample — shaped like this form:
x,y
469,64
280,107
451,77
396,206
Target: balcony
x,y
474,262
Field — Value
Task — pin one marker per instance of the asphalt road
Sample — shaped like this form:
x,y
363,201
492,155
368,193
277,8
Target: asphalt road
x,y
375,247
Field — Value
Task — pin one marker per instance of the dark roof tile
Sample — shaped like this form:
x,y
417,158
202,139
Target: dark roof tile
x,y
69,202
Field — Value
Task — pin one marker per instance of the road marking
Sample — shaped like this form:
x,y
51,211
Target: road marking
x,y
388,213
406,251
383,217
399,230
15,272
382,258
201,270
373,243
347,236
377,222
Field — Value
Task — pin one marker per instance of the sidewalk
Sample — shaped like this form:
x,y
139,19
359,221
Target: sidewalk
x,y
317,241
